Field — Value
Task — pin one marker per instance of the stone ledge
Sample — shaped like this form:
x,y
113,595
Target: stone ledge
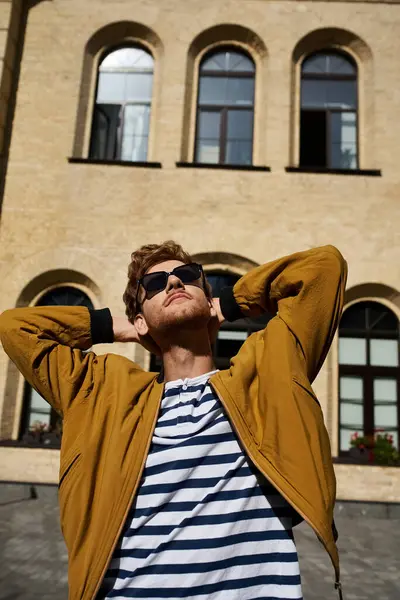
x,y
367,483
29,465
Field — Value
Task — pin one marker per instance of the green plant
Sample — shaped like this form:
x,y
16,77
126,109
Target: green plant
x,y
379,446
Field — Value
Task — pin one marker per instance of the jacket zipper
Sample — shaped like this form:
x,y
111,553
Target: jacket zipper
x,y
131,499
338,585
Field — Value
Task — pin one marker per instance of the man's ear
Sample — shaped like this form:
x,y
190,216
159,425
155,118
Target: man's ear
x,y
213,311
141,325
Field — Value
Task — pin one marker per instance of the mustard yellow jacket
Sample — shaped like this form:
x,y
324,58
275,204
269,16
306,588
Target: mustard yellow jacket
x,y
110,405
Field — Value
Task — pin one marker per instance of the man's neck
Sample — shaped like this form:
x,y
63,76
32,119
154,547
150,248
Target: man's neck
x,y
183,361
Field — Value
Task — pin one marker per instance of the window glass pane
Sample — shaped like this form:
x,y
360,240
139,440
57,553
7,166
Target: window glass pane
x,y
65,296
220,280
385,390
384,353
329,63
385,415
135,132
134,148
136,120
351,388
232,335
111,88
207,151
343,140
138,87
226,91
352,414
209,124
238,153
240,62
340,65
325,93
341,94
354,317
35,417
38,403
228,61
240,91
127,58
381,318
315,64
240,125
352,351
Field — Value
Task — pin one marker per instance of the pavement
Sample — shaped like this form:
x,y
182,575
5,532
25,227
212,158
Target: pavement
x,y
33,557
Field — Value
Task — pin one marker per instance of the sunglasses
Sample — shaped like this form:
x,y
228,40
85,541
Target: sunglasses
x,y
154,283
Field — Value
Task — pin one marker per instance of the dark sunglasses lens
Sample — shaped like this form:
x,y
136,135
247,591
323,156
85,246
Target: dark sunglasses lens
x,y
188,273
154,282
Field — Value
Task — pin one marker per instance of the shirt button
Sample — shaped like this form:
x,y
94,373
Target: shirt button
x,y
184,387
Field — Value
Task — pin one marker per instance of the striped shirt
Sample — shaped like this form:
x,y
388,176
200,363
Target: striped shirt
x,y
205,524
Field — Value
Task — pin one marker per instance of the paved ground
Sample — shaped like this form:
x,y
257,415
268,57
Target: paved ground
x,y
33,557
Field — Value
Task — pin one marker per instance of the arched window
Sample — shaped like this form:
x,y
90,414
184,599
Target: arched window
x,y
38,416
369,373
225,108
328,117
121,117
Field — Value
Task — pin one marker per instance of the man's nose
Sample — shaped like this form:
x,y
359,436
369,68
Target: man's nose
x,y
174,283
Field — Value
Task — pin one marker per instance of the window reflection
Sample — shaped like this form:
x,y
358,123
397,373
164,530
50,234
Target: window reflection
x,y
121,119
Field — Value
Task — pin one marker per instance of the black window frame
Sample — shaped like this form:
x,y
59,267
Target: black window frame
x,y
223,110
329,111
48,299
369,372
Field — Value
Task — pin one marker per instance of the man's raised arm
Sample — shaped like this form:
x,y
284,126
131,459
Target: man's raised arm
x,y
47,345
306,289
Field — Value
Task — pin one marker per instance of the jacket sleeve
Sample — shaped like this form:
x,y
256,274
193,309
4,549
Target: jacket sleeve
x,y
305,289
47,345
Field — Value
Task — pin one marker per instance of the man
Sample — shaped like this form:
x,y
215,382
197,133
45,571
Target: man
x,y
188,487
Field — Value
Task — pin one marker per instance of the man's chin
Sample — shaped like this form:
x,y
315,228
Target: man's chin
x,y
182,317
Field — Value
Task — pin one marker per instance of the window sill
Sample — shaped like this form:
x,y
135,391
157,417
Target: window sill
x,y
119,163
21,444
326,171
197,165
348,460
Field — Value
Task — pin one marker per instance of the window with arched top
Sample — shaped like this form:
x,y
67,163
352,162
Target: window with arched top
x,y
328,115
40,423
121,117
369,372
225,108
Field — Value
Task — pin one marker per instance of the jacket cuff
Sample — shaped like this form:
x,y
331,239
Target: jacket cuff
x,y
101,326
229,307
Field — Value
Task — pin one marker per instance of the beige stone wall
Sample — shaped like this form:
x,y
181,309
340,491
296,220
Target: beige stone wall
x,y
78,223
10,19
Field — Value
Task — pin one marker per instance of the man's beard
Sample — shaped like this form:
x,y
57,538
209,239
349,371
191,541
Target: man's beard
x,y
174,325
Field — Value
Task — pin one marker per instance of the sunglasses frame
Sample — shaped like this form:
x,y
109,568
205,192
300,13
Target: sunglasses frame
x,y
168,274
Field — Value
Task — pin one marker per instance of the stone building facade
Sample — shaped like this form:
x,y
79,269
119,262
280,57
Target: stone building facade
x,y
245,130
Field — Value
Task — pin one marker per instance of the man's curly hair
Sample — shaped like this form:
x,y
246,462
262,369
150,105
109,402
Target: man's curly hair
x,y
142,260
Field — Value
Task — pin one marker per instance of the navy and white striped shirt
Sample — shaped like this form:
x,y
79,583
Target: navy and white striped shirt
x,y
205,524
